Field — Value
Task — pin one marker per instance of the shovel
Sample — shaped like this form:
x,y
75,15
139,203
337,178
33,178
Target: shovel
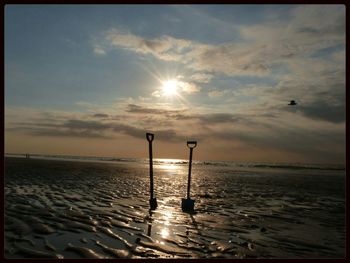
x,y
188,204
152,201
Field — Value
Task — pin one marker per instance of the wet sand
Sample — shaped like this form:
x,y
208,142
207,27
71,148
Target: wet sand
x,y
66,209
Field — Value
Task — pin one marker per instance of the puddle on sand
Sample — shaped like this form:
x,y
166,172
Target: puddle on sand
x,y
56,209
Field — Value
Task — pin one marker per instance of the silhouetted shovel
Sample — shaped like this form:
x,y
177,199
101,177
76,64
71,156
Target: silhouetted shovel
x,y
188,204
152,201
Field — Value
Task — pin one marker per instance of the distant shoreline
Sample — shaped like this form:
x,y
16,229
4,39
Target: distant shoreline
x,y
293,166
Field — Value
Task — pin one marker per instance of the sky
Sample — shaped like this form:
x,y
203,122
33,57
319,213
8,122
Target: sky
x,y
91,80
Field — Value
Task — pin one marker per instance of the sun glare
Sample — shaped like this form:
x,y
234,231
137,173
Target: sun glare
x,y
169,88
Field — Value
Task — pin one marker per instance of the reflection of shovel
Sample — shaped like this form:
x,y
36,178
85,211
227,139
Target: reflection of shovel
x,y
152,201
188,204
149,229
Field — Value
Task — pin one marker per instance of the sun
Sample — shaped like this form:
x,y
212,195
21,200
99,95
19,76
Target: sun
x,y
169,88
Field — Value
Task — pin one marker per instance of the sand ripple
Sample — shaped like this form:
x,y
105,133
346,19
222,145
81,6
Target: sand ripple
x,y
60,209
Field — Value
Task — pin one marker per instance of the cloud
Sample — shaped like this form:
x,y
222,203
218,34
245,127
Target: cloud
x,y
188,87
133,108
84,127
311,19
317,85
62,128
217,93
218,118
299,141
99,50
317,110
156,93
322,110
280,129
164,47
68,133
209,118
101,115
308,29
201,77
229,59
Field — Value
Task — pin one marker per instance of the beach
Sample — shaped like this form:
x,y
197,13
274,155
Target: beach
x,y
100,209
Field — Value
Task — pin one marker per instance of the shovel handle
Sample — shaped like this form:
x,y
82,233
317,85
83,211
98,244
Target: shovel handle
x,y
191,144
149,136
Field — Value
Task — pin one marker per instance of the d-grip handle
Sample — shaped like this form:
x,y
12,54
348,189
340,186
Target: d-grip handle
x,y
191,144
149,136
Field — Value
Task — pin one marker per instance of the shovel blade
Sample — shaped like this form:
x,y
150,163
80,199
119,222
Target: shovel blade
x,y
153,203
187,205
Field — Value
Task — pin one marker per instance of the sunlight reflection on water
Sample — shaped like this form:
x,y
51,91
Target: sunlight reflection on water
x,y
164,233
236,215
169,166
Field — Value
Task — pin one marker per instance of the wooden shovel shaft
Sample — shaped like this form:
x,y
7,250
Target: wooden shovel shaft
x,y
189,175
151,169
150,137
